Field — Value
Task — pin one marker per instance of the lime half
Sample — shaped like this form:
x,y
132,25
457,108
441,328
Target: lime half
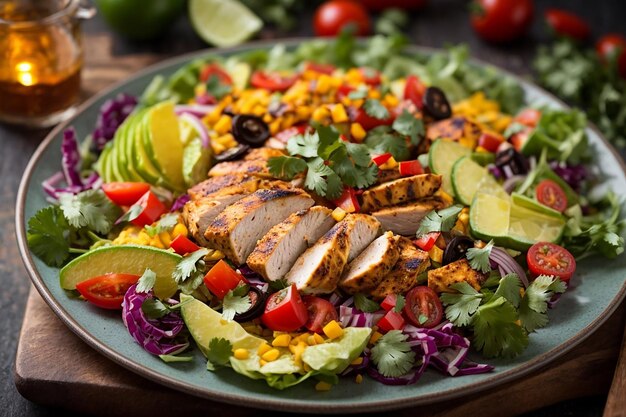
x,y
223,22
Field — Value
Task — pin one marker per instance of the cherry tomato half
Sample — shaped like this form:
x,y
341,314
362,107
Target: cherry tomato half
x,y
151,209
216,70
414,90
321,312
125,193
107,291
422,307
550,194
528,117
331,17
546,258
222,278
272,81
182,245
285,311
501,21
567,24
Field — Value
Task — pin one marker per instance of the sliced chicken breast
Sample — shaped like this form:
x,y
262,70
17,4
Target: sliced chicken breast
x,y
403,276
236,230
198,214
278,250
400,191
366,271
405,219
257,167
386,175
230,184
441,279
319,268
262,154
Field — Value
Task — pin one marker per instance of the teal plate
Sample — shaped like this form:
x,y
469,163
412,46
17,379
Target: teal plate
x,y
600,287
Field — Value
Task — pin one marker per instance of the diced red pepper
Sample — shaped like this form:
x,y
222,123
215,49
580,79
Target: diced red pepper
x,y
408,168
182,245
490,141
427,241
343,91
381,159
151,209
348,201
391,321
389,302
320,68
222,278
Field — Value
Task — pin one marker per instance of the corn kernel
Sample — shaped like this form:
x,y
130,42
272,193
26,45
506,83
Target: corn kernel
x,y
311,341
324,84
374,338
323,386
258,110
297,352
216,255
338,214
320,114
218,148
357,361
358,379
318,338
264,348
223,125
303,112
338,113
241,353
357,132
373,93
262,362
275,126
179,229
333,330
390,164
436,254
271,355
281,340
390,100
267,118
156,242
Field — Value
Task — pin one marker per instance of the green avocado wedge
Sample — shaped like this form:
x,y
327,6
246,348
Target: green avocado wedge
x,y
128,259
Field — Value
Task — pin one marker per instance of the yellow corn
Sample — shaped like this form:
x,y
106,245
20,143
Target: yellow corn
x,y
320,114
373,93
324,83
338,214
333,330
271,355
358,379
357,361
357,132
303,113
218,148
275,127
216,255
323,386
223,125
179,229
241,353
297,351
339,114
281,340
258,110
165,238
390,100
267,118
263,349
374,337
436,254
262,362
314,339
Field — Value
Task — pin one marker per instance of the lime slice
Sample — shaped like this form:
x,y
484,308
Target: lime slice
x,y
534,226
204,324
442,156
523,201
223,22
489,216
335,356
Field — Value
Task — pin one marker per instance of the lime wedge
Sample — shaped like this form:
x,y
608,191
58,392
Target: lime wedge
x,y
223,22
335,356
489,216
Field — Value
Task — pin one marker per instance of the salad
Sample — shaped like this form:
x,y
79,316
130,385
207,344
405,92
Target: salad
x,y
338,211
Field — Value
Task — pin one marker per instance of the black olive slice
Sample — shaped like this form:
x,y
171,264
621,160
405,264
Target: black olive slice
x,y
516,162
257,305
232,153
456,249
250,130
436,103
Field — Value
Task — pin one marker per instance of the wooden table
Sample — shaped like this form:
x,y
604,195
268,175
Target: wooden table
x,y
109,58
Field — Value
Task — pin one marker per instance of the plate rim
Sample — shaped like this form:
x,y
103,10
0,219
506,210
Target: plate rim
x,y
279,404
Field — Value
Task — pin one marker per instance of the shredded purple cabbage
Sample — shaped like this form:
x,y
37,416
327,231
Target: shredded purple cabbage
x,y
574,175
180,202
112,113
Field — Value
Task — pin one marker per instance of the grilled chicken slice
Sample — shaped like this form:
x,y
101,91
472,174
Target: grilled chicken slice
x,y
216,187
400,191
256,167
319,268
403,276
262,154
441,279
278,250
366,271
386,175
198,214
236,230
458,129
405,219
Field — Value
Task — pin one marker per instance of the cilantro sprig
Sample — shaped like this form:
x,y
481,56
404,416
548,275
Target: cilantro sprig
x,y
189,272
393,355
218,354
439,220
236,301
479,257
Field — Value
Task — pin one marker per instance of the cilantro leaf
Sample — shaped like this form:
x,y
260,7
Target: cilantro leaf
x,y
317,176
187,266
375,109
496,332
279,284
47,235
146,281
479,257
354,165
218,353
392,354
165,224
329,140
304,145
382,140
509,288
90,208
534,305
462,305
286,166
191,284
358,94
365,304
439,221
153,308
406,124
216,88
235,303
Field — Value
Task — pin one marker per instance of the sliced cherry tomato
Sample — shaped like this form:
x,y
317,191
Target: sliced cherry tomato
x,y
414,91
222,278
410,168
546,258
381,159
613,46
550,194
519,139
151,209
107,291
370,76
567,24
331,17
182,245
214,69
272,81
427,241
285,311
321,312
366,121
348,201
391,321
125,193
528,117
490,141
422,307
389,302
320,68
501,21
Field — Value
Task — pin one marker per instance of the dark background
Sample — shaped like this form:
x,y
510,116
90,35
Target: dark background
x,y
442,22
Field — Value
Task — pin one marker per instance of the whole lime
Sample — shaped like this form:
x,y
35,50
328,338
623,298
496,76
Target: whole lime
x,y
140,19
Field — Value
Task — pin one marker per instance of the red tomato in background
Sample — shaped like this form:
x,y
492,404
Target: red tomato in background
x,y
285,311
550,194
272,81
214,69
501,21
613,45
414,90
546,258
222,278
333,15
378,5
321,312
567,24
107,291
151,209
125,193
422,307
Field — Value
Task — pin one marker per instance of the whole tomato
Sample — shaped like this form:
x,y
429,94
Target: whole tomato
x,y
567,24
501,21
333,15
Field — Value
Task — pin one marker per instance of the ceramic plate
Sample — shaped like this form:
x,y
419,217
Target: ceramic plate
x,y
601,287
